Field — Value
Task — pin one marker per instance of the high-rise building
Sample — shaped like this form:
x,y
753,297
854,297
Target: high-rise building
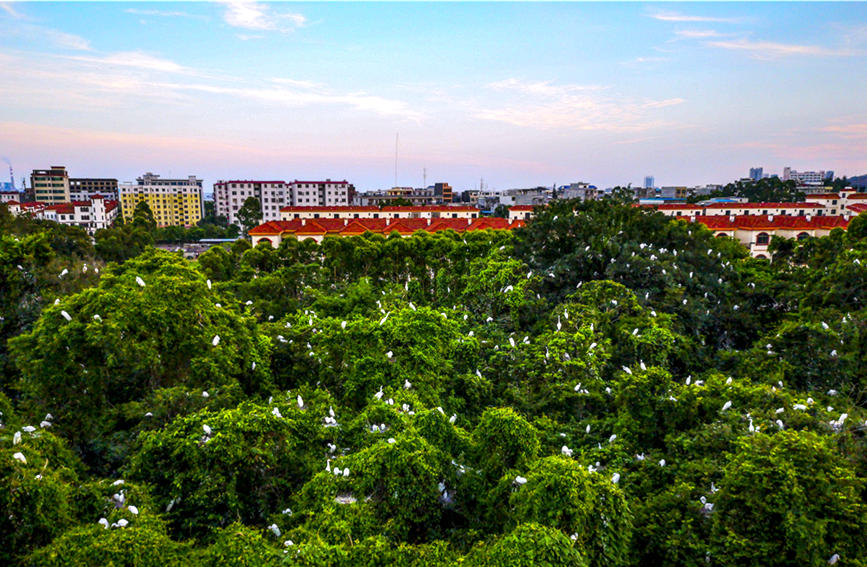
x,y
50,185
85,188
648,182
174,202
756,173
229,197
319,193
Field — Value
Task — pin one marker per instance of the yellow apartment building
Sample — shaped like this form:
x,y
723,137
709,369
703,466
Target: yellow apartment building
x,y
174,202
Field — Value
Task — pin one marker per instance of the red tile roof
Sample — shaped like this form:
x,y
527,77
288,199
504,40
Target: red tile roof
x,y
858,207
769,222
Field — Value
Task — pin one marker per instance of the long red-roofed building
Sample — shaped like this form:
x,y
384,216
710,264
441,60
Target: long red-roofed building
x,y
755,231
274,232
91,215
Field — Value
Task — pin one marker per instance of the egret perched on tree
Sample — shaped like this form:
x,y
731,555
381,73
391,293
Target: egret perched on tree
x,y
207,429
615,478
103,522
20,457
300,401
139,281
727,405
216,340
66,315
520,480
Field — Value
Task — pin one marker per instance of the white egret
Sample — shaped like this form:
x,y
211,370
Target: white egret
x,y
615,478
216,340
139,281
20,457
133,510
103,522
207,429
520,480
66,315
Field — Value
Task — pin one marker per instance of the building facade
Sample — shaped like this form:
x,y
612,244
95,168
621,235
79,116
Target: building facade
x,y
50,185
85,188
229,197
174,202
326,193
91,215
387,213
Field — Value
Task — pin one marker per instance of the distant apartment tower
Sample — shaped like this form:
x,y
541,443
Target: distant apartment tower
x,y
326,193
443,192
229,197
85,188
648,181
757,173
50,185
174,202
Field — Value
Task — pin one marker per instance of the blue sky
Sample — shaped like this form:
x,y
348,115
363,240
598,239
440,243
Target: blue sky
x,y
516,93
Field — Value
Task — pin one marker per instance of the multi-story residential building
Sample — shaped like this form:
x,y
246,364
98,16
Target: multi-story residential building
x,y
443,193
814,178
648,182
91,215
6,196
580,190
50,185
174,202
417,197
229,197
85,188
326,193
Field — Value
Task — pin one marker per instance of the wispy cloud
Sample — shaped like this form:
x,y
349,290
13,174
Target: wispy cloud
x,y
678,17
164,13
697,34
66,40
252,15
136,60
856,130
774,50
544,105
7,7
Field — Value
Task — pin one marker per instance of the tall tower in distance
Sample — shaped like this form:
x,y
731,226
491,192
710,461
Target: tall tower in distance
x,y
648,182
756,173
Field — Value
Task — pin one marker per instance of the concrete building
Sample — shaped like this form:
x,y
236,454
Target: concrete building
x,y
174,202
415,196
648,182
443,193
580,190
846,202
326,193
50,185
755,232
85,188
807,178
229,197
91,215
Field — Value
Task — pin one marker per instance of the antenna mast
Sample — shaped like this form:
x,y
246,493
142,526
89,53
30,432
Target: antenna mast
x,y
396,139
424,178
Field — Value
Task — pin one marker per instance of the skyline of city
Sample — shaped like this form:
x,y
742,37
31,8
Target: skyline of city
x,y
517,94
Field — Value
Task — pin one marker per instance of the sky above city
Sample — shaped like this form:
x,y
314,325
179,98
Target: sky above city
x,y
517,94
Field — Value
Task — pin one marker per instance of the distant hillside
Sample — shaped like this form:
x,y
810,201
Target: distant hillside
x,y
859,181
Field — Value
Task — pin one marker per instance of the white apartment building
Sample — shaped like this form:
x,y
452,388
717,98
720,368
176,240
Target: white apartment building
x,y
326,193
91,215
229,197
816,178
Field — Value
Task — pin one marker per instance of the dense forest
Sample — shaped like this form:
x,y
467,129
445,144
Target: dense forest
x,y
604,387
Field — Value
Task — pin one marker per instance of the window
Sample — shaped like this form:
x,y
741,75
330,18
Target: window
x,y
762,239
803,235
